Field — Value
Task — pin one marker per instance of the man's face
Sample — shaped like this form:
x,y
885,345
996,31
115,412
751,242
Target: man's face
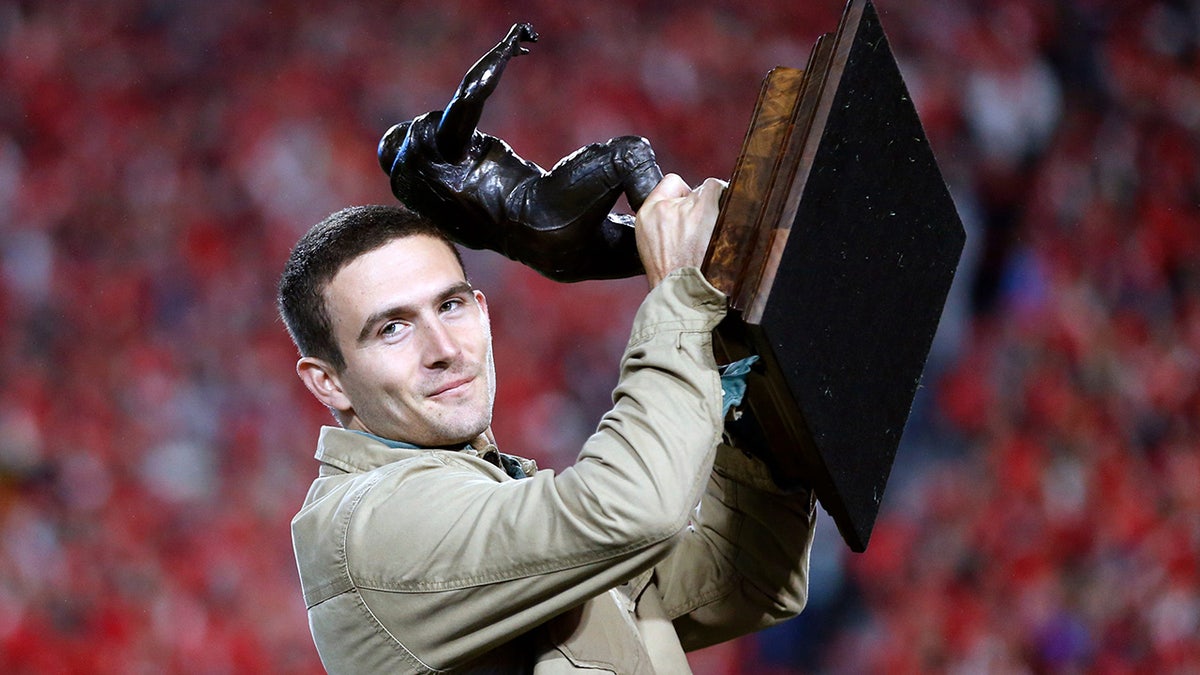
x,y
417,345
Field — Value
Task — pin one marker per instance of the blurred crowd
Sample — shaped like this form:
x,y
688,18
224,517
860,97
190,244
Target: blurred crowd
x,y
158,159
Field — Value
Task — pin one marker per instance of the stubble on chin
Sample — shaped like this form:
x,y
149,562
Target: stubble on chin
x,y
464,422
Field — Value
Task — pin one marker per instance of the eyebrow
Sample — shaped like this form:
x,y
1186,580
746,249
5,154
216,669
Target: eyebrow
x,y
400,310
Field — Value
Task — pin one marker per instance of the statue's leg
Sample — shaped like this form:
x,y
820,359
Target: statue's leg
x,y
574,234
585,185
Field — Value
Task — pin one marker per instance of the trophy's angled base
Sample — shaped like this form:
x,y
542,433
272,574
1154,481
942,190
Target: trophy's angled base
x,y
837,243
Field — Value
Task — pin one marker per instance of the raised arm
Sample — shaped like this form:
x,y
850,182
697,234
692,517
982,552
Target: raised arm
x,y
743,563
464,110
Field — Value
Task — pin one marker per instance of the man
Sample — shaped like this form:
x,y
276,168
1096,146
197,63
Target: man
x,y
422,548
485,196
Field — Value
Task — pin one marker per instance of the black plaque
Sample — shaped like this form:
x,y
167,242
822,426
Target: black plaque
x,y
837,244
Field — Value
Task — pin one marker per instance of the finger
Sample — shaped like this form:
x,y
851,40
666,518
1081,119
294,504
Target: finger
x,y
670,187
709,192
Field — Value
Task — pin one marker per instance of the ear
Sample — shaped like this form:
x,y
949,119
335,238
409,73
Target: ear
x,y
322,380
482,304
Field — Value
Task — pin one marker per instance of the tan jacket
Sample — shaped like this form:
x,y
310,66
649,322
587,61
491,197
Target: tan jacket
x,y
432,560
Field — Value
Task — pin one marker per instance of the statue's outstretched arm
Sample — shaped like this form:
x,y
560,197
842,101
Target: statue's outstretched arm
x,y
464,110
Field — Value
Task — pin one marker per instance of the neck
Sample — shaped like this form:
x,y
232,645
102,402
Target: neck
x,y
479,442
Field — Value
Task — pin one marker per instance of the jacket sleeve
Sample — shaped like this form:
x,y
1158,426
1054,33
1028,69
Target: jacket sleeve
x,y
742,564
453,563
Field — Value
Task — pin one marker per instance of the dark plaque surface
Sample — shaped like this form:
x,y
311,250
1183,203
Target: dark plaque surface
x,y
837,244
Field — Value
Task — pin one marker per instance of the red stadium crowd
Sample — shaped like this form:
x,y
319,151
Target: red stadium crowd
x,y
158,159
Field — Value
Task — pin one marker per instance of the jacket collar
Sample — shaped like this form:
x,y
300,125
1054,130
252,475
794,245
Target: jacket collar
x,y
355,451
358,451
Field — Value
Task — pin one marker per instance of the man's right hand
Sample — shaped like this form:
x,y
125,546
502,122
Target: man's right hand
x,y
675,224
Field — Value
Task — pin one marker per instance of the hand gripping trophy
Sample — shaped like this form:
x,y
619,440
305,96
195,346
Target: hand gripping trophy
x,y
483,195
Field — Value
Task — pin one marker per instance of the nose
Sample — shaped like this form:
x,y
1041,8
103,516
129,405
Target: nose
x,y
440,346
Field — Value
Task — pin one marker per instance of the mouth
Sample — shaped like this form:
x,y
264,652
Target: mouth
x,y
452,388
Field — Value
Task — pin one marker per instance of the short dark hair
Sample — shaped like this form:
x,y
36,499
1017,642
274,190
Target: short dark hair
x,y
322,252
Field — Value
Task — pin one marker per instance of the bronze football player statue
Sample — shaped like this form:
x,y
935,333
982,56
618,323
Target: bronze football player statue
x,y
483,195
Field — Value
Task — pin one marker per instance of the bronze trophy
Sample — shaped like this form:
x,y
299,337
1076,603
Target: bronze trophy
x,y
837,243
558,222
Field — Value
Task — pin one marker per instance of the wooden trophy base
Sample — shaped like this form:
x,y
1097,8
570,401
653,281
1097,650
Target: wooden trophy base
x,y
836,244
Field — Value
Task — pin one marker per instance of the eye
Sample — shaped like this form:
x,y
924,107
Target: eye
x,y
451,305
391,329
